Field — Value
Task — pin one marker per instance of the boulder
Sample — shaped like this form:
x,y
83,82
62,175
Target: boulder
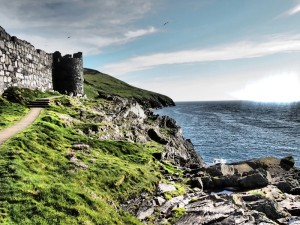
x,y
220,169
164,187
287,162
160,201
269,207
241,169
146,213
256,179
207,212
293,207
289,185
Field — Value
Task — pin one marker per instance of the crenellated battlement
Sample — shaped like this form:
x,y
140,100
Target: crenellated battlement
x,y
22,65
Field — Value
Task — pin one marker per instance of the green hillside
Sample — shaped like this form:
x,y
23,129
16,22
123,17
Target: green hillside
x,y
96,82
60,171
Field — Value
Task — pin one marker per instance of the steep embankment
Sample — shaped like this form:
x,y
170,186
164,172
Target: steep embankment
x,y
103,85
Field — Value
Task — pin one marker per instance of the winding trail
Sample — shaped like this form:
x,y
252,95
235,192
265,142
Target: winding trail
x,y
19,126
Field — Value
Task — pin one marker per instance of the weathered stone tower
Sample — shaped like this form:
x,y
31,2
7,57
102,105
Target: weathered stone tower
x,y
67,73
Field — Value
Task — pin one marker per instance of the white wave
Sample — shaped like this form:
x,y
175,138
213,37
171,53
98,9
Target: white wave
x,y
216,161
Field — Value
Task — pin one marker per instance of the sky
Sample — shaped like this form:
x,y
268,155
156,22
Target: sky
x,y
195,50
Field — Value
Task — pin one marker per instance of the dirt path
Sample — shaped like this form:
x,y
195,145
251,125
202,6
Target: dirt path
x,y
19,126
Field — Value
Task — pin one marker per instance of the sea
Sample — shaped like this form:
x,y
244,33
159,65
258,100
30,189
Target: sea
x,y
231,131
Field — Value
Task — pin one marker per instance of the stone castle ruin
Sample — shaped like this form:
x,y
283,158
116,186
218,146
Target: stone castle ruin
x,y
21,65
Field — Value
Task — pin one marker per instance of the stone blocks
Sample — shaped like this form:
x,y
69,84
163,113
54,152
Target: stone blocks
x,y
22,65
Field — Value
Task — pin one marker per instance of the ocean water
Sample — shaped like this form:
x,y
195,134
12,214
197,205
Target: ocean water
x,y
239,130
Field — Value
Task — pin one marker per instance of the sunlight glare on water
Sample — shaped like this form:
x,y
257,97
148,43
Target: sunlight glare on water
x,y
278,88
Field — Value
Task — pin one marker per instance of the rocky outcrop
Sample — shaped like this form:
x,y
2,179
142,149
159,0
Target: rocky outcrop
x,y
178,151
128,121
257,191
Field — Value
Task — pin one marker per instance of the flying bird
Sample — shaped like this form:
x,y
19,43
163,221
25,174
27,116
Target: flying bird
x,y
69,37
166,23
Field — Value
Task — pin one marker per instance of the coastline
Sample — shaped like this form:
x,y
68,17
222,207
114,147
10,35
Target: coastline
x,y
138,167
262,190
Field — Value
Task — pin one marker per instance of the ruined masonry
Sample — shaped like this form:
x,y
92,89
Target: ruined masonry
x,y
22,65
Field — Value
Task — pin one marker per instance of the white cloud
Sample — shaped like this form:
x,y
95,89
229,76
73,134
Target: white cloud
x,y
90,45
240,50
293,11
141,32
92,24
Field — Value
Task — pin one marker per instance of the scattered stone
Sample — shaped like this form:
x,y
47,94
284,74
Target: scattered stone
x,y
144,214
171,203
160,201
164,187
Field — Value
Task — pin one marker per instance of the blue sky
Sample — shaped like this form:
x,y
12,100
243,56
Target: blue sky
x,y
208,50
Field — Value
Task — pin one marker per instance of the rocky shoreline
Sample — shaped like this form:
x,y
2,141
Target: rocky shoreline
x,y
266,193
257,191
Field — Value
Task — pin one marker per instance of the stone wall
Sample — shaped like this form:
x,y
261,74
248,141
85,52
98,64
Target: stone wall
x,y
22,65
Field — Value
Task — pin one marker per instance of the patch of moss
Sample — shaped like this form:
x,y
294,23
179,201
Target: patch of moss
x,y
169,168
257,192
236,198
177,213
180,190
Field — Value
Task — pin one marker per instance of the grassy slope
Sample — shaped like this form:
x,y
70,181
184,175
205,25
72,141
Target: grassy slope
x,y
96,81
39,183
10,113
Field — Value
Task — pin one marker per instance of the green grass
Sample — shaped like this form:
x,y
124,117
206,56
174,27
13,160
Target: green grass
x,y
46,179
95,81
176,214
13,105
10,113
